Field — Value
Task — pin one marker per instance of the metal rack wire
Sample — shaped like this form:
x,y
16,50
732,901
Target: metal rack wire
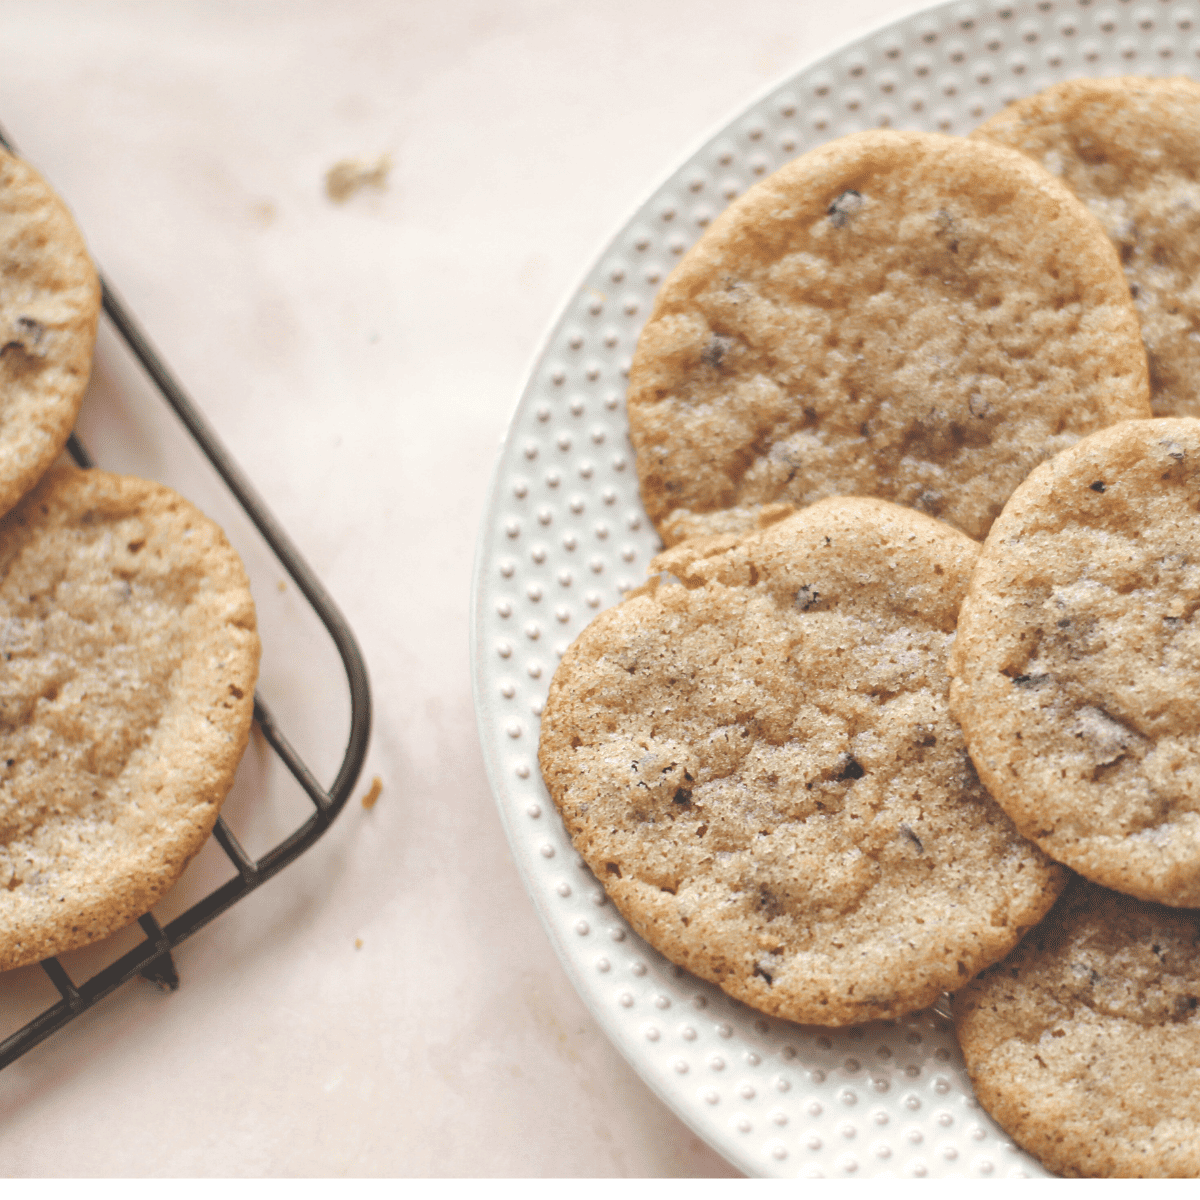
x,y
152,957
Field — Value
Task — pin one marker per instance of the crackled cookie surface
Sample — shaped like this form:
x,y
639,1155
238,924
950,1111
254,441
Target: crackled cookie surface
x,y
1130,149
759,764
1084,1043
1077,664
911,316
49,305
126,692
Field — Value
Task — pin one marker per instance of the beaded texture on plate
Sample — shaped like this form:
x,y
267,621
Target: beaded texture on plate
x,y
565,536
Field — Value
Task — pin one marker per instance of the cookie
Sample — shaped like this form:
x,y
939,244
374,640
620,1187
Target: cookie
x,y
912,316
49,306
129,660
1084,1043
1076,671
759,765
1130,149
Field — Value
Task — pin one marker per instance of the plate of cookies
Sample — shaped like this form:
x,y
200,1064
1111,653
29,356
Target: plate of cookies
x,y
835,614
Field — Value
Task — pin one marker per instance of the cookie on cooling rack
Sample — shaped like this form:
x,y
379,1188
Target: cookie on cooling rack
x,y
1130,149
1084,1043
1076,671
912,316
49,306
130,657
759,764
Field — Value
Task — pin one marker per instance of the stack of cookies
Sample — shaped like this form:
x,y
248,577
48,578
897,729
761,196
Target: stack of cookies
x,y
127,629
836,755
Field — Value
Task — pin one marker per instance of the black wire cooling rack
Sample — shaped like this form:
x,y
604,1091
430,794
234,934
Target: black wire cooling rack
x,y
152,957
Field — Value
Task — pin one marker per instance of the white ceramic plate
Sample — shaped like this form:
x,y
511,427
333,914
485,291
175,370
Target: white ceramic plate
x,y
565,535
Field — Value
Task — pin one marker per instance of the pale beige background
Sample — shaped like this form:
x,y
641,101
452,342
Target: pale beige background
x,y
361,361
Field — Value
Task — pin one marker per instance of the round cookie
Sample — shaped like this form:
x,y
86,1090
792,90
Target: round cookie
x,y
760,766
130,656
1076,671
906,315
1084,1044
1130,149
49,306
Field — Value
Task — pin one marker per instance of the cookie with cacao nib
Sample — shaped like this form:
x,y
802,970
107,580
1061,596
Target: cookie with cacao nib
x,y
129,660
49,306
1076,671
1130,150
912,316
758,762
1084,1043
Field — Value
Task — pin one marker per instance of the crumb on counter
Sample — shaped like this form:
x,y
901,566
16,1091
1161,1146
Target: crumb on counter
x,y
350,175
368,801
358,943
282,585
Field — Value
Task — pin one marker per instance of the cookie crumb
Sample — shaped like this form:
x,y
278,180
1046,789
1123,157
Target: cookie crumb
x,y
368,801
282,585
358,943
350,175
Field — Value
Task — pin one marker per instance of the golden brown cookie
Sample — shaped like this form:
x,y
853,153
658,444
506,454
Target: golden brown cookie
x,y
906,315
1084,1043
126,693
760,766
49,305
1076,672
1130,149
